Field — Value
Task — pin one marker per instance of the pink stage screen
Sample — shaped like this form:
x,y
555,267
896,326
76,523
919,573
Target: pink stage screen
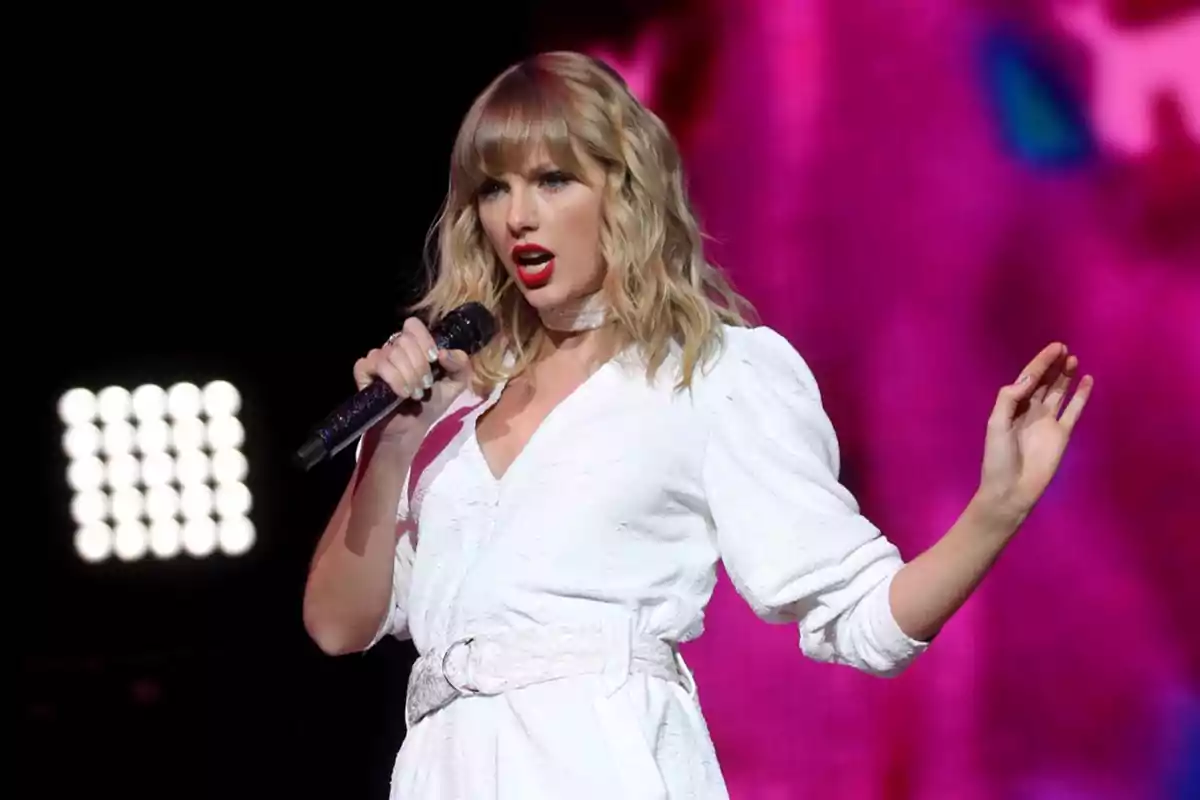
x,y
920,195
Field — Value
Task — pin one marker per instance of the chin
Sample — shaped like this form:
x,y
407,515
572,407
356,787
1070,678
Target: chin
x,y
546,296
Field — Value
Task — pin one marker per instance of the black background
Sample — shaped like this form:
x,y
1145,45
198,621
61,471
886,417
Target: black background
x,y
217,194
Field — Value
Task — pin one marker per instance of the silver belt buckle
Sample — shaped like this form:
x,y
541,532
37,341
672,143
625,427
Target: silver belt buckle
x,y
446,676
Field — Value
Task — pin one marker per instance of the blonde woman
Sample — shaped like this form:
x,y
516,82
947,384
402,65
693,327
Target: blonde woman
x,y
545,522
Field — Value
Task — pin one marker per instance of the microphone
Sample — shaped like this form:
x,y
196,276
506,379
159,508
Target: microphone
x,y
468,328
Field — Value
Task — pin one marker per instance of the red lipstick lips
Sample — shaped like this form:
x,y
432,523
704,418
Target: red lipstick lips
x,y
535,264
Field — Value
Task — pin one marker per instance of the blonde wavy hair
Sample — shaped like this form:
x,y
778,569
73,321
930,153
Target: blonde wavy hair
x,y
660,289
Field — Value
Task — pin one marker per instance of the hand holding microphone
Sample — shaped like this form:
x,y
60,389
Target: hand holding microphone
x,y
410,381
407,363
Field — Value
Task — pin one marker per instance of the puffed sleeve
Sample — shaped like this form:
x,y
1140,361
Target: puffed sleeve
x,y
790,535
395,622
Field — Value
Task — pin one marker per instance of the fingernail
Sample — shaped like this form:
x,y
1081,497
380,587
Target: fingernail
x,y
432,355
427,380
1024,379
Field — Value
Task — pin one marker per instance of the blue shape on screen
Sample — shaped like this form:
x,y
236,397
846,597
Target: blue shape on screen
x,y
1187,780
1039,118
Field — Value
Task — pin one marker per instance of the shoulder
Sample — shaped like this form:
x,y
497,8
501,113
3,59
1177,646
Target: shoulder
x,y
760,394
756,360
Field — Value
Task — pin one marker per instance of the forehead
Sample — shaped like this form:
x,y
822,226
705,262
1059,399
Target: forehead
x,y
522,147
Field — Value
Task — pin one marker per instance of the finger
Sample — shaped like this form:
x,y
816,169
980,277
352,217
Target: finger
x,y
1075,408
417,357
394,377
415,328
456,363
397,356
364,371
1005,408
1050,377
1062,382
1031,377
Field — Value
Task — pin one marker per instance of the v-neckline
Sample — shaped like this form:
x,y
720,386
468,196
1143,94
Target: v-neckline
x,y
497,393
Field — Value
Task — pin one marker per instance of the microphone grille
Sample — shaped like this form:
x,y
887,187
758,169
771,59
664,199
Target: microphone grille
x,y
468,328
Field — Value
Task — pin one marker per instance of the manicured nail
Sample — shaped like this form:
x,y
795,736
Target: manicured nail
x,y
427,380
432,355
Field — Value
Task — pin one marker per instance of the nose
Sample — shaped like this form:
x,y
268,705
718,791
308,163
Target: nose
x,y
522,211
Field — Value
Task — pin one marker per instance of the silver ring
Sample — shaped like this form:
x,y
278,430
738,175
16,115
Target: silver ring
x,y
445,656
392,339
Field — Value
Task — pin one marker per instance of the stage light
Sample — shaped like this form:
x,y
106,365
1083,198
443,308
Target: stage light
x,y
156,472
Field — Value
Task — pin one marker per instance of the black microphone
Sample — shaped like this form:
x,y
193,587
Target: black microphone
x,y
468,328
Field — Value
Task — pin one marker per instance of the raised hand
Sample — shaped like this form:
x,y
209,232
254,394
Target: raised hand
x,y
1029,429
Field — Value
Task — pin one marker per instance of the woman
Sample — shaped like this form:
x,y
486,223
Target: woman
x,y
546,522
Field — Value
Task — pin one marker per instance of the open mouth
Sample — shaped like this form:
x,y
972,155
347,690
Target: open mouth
x,y
535,264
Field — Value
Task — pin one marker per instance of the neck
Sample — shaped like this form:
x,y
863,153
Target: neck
x,y
581,314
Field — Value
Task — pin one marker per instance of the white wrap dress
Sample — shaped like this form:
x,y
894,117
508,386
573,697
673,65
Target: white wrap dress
x,y
613,519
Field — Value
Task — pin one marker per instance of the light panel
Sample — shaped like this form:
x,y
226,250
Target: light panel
x,y
157,472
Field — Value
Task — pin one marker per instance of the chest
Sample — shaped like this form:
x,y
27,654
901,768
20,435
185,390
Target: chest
x,y
504,430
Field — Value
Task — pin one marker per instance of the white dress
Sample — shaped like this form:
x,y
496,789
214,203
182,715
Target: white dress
x,y
617,512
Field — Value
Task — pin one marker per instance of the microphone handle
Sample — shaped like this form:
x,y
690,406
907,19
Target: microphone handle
x,y
351,419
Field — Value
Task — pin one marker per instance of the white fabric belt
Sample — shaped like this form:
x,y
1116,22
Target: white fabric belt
x,y
491,664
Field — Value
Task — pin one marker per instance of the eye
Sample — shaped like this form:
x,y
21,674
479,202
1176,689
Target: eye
x,y
490,188
555,179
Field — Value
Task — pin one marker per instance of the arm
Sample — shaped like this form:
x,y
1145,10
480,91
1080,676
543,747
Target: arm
x,y
793,540
1025,443
349,592
928,590
349,583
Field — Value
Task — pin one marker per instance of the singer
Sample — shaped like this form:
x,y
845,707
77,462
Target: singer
x,y
544,522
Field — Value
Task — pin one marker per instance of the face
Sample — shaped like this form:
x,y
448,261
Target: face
x,y
544,223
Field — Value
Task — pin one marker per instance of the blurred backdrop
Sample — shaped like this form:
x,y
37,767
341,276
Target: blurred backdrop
x,y
919,195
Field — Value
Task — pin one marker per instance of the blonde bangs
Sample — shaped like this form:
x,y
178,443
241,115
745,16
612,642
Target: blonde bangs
x,y
522,118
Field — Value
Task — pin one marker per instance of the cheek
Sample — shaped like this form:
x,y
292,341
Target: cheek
x,y
493,230
585,229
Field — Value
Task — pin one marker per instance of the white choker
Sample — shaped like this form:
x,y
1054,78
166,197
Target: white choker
x,y
584,314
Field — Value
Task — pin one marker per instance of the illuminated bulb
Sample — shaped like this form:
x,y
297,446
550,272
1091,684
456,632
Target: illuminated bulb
x,y
225,433
114,404
153,436
149,402
77,407
131,540
187,433
232,500
166,538
191,467
229,466
82,440
123,471
199,536
90,507
158,469
94,542
162,503
86,474
220,399
236,535
184,400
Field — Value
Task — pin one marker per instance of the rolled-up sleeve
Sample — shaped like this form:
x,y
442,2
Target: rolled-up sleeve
x,y
791,537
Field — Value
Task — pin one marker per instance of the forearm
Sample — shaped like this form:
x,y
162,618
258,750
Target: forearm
x,y
928,590
350,581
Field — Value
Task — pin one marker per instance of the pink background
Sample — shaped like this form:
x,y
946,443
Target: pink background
x,y
883,188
